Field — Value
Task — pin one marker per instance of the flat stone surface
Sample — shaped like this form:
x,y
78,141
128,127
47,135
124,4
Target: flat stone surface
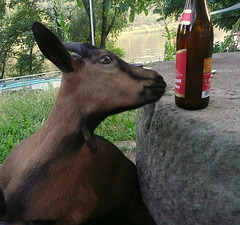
x,y
189,161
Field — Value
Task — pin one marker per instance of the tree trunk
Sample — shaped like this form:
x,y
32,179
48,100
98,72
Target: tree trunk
x,y
31,60
3,66
105,28
3,70
104,25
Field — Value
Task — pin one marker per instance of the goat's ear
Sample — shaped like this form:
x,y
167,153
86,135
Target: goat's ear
x,y
52,47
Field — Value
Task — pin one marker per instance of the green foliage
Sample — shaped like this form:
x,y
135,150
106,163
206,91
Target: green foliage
x,y
17,39
223,20
117,51
108,20
230,43
25,61
168,8
63,22
132,6
79,30
20,116
170,44
170,35
119,127
2,8
110,17
23,114
69,19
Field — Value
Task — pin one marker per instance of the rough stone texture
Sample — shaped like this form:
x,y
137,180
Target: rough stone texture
x,y
189,161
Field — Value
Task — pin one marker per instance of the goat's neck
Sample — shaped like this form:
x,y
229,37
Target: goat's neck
x,y
68,118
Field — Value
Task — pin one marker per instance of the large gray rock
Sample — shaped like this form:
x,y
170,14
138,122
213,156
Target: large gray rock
x,y
189,161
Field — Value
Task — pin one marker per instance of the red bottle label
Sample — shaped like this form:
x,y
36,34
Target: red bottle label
x,y
186,17
180,73
206,84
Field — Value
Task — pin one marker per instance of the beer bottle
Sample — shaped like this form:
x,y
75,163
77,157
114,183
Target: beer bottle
x,y
194,56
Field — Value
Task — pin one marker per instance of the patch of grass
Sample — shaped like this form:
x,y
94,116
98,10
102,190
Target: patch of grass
x,y
118,127
23,114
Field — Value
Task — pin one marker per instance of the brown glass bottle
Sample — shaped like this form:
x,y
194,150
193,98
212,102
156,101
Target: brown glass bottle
x,y
194,56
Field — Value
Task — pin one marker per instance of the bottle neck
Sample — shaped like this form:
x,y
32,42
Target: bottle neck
x,y
192,3
189,4
198,8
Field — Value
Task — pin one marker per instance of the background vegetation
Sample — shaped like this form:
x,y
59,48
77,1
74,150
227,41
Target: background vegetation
x,y
225,21
69,19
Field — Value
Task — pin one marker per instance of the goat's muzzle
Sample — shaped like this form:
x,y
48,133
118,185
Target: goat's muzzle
x,y
157,87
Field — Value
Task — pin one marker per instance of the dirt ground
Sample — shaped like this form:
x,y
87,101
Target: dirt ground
x,y
128,148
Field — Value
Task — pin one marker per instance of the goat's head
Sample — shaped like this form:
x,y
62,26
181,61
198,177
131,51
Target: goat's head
x,y
101,82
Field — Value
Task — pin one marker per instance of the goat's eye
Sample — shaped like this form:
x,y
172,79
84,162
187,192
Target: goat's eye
x,y
105,59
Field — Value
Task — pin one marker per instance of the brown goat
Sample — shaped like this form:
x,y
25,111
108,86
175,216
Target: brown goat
x,y
64,174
